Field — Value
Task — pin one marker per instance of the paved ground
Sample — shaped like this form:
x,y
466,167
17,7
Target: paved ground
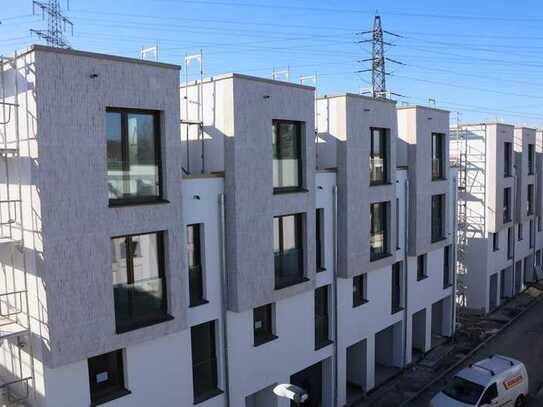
x,y
524,341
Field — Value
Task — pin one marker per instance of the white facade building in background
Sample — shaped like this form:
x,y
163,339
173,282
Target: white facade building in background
x,y
171,257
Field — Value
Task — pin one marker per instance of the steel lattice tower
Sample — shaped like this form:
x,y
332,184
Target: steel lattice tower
x,y
378,72
56,23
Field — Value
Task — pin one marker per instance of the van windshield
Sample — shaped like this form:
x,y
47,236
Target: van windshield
x,y
463,390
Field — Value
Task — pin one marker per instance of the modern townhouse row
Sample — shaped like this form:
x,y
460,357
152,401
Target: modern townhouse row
x,y
198,244
500,201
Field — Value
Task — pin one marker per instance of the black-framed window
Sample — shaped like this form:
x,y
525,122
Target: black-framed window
x,y
319,234
139,282
422,272
194,259
539,224
360,290
322,319
495,241
287,155
532,234
531,159
438,218
506,205
507,159
490,395
106,377
378,230
133,156
263,324
396,294
520,232
288,250
438,156
379,156
530,203
205,381
510,242
447,275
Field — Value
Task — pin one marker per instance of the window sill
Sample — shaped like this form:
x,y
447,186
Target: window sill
x,y
448,285
358,304
291,283
112,396
208,395
439,179
119,203
439,239
198,303
380,257
143,324
422,278
280,191
380,184
321,269
323,344
395,310
263,341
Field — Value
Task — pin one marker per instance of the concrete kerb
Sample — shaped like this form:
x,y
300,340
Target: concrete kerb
x,y
472,352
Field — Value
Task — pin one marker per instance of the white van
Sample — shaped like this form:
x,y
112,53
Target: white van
x,y
495,381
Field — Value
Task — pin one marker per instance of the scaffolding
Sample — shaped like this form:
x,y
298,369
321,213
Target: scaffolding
x,y
14,306
187,123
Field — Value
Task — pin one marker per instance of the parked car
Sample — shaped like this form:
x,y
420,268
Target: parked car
x,y
495,381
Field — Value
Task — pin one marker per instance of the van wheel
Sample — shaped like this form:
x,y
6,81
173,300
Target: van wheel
x,y
520,402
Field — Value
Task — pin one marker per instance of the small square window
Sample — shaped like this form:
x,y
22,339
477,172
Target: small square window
x,y
360,290
263,324
106,377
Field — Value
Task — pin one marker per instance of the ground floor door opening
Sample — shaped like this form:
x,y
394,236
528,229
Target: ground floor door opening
x,y
262,398
506,280
388,352
440,330
356,371
310,379
418,335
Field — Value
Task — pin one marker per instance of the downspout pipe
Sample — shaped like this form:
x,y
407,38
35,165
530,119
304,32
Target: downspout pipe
x,y
334,282
224,299
405,267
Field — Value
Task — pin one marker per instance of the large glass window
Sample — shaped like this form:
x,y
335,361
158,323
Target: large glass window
x,y
438,155
194,254
287,155
507,159
106,377
133,156
438,227
379,156
378,230
287,250
139,285
531,159
204,362
506,205
322,322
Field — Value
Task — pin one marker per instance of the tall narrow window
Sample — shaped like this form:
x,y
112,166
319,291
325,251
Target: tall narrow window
x,y
133,156
438,228
507,159
510,243
421,267
379,156
287,155
398,224
378,230
196,279
438,152
288,251
360,290
139,284
520,232
530,203
106,377
396,287
204,362
322,321
496,241
532,234
506,205
319,242
263,324
531,159
447,280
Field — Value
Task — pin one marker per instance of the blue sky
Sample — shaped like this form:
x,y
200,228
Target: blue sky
x,y
480,58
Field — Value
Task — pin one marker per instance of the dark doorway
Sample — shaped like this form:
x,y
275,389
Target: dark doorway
x,y
310,379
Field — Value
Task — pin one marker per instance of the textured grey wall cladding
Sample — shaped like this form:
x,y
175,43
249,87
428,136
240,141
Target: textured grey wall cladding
x,y
250,202
77,223
523,137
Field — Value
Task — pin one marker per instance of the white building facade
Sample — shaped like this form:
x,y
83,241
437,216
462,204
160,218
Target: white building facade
x,y
198,245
